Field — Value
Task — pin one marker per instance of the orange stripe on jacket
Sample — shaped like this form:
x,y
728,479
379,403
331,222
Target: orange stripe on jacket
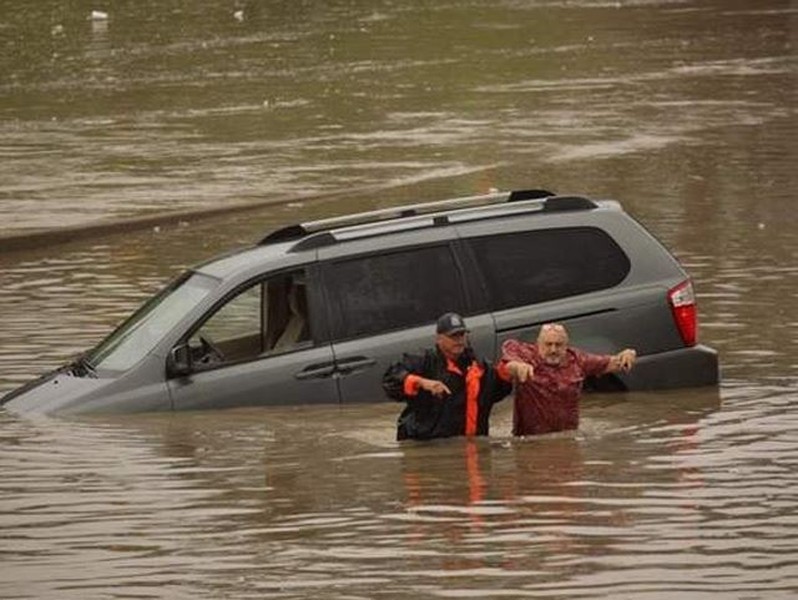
x,y
411,385
452,366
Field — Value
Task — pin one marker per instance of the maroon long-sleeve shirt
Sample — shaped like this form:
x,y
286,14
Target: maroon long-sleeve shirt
x,y
549,400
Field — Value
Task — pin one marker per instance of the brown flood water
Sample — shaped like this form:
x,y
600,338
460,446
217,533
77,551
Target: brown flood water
x,y
683,111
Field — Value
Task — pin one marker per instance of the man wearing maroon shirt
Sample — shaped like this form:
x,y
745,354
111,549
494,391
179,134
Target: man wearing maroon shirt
x,y
551,378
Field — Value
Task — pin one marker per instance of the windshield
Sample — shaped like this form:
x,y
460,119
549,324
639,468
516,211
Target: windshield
x,y
137,336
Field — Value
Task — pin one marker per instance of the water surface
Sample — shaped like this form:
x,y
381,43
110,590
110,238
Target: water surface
x,y
683,111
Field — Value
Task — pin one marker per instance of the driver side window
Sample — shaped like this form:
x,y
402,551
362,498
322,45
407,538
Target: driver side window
x,y
268,317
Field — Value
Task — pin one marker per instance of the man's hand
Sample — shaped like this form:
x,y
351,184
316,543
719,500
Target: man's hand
x,y
520,371
434,387
625,359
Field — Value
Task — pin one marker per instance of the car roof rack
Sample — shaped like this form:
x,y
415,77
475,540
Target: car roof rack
x,y
318,233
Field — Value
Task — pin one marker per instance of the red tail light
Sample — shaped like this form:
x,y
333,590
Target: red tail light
x,y
685,313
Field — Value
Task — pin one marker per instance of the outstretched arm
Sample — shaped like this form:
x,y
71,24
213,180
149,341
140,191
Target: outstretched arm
x,y
413,383
403,380
514,360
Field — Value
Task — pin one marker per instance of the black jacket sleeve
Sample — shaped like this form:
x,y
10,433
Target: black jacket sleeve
x,y
498,387
394,378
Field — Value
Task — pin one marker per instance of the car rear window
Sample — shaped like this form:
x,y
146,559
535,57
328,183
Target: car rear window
x,y
538,266
379,293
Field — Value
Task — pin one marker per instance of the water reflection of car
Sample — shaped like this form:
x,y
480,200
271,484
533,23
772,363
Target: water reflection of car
x,y
315,312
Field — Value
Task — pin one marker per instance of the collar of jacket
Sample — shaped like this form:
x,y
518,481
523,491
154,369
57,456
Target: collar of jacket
x,y
460,365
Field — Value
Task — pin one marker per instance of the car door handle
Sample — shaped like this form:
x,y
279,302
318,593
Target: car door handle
x,y
317,371
348,365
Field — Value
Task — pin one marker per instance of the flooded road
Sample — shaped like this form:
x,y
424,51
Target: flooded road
x,y
683,111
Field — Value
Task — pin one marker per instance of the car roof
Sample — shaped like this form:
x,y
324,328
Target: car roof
x,y
242,259
293,242
325,232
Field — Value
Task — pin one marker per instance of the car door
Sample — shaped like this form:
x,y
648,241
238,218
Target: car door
x,y
262,345
385,304
564,274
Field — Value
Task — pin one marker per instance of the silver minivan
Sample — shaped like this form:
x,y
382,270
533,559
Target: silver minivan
x,y
316,312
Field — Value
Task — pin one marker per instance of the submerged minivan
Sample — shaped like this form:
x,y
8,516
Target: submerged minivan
x,y
316,312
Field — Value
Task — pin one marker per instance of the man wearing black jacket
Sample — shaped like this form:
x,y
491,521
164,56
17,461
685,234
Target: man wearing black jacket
x,y
449,391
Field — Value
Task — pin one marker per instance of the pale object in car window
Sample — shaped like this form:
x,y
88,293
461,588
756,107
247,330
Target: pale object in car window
x,y
292,334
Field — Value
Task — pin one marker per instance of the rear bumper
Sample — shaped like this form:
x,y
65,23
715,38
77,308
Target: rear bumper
x,y
687,367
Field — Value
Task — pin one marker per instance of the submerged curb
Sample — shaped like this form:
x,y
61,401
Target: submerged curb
x,y
38,238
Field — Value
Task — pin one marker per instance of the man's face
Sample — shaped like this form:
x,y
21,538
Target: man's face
x,y
452,344
552,344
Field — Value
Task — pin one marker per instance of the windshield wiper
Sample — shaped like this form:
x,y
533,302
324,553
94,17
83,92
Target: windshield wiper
x,y
81,367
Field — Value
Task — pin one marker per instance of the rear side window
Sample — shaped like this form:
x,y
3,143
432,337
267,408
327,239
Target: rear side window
x,y
538,266
374,294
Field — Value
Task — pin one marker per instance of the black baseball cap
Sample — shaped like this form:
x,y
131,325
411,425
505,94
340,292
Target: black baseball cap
x,y
450,323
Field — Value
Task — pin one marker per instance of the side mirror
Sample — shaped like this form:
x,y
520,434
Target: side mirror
x,y
178,364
